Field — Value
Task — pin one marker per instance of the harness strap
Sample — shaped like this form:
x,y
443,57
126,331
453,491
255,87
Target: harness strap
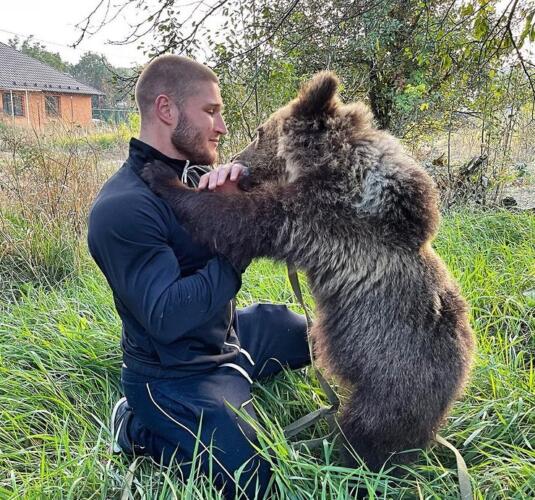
x,y
304,422
327,412
463,476
325,386
296,287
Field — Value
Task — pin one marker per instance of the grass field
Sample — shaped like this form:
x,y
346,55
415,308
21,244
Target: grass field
x,y
60,362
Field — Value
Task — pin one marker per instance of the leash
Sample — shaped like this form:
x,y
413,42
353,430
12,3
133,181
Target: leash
x,y
329,412
463,476
326,412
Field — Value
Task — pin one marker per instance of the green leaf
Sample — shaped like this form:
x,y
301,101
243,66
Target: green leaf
x,y
528,29
446,62
467,10
481,27
507,42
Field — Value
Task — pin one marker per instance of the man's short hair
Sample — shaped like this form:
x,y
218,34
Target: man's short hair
x,y
174,76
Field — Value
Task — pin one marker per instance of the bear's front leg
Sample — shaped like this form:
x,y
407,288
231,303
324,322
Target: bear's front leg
x,y
239,225
162,179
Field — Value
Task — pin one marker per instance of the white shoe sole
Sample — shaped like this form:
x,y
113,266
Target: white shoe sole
x,y
114,447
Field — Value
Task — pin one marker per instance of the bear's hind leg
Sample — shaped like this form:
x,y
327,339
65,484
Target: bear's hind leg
x,y
376,436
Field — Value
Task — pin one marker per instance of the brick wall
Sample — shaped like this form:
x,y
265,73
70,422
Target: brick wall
x,y
73,109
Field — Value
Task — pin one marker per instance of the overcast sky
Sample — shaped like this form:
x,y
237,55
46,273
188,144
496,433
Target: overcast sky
x,y
53,23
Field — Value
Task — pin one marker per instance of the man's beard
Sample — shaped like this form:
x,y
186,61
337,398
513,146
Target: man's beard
x,y
190,143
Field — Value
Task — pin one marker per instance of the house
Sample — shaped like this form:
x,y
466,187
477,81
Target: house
x,y
33,94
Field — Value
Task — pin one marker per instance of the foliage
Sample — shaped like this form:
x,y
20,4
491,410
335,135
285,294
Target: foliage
x,y
402,56
47,183
426,67
60,367
95,70
92,69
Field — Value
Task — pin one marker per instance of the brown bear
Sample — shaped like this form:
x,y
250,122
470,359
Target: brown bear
x,y
339,199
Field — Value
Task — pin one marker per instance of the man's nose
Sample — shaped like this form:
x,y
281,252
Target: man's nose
x,y
220,126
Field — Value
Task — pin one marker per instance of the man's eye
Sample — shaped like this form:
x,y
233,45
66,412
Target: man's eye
x,y
210,111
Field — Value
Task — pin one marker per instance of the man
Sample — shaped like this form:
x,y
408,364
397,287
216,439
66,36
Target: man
x,y
189,358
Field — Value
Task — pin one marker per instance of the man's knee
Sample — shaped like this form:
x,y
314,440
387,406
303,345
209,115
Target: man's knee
x,y
275,317
236,450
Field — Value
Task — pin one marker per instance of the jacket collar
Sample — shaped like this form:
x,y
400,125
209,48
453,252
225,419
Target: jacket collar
x,y
140,153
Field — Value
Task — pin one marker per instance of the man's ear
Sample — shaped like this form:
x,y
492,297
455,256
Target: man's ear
x,y
318,96
165,109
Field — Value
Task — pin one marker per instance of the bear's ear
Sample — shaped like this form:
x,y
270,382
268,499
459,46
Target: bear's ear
x,y
317,97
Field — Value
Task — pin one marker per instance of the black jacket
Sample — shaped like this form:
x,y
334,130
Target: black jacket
x,y
173,295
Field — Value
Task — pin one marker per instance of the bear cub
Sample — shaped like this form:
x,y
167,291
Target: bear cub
x,y
341,200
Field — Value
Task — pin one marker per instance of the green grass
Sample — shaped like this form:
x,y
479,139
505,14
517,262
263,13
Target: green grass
x,y
60,362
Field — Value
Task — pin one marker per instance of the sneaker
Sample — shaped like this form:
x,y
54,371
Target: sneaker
x,y
120,416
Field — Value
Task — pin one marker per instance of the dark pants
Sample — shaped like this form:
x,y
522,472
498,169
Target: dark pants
x,y
169,415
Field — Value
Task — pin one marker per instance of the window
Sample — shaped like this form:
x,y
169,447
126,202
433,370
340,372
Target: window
x,y
18,104
52,105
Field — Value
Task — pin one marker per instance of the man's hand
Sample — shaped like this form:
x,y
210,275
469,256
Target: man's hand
x,y
223,178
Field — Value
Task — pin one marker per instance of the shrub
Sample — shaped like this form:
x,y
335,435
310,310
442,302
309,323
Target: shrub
x,y
47,185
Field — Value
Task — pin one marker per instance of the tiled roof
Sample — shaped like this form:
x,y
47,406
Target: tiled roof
x,y
19,71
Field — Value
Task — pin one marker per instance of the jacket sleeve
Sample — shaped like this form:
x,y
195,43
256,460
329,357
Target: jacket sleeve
x,y
130,245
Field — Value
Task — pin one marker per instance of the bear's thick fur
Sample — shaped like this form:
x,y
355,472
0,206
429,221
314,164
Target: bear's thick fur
x,y
341,200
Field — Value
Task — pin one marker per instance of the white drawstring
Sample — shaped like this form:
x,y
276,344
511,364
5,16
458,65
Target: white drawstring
x,y
191,174
185,173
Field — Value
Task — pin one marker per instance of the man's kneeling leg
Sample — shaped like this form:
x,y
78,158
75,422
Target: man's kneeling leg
x,y
172,418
